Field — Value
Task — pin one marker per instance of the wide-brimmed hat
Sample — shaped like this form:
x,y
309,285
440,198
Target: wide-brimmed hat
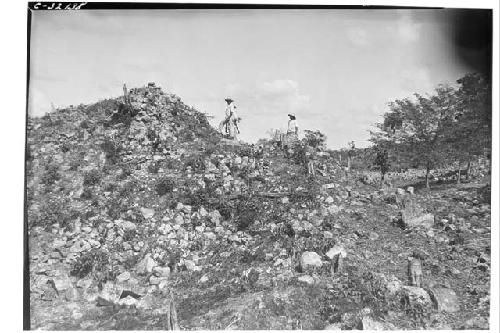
x,y
291,115
229,100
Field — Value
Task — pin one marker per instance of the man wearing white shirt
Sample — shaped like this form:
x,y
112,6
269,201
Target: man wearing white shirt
x,y
230,109
293,127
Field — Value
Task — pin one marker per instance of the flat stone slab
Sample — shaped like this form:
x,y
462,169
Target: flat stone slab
x,y
445,299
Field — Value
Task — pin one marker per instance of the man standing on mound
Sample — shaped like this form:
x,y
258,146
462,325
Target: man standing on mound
x,y
293,127
231,118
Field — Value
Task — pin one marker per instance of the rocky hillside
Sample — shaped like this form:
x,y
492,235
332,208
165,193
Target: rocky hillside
x,y
141,216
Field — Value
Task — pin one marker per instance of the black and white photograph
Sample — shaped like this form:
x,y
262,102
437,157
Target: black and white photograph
x,y
232,166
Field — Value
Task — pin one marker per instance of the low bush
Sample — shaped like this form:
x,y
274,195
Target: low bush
x,y
86,194
154,167
92,177
247,210
125,172
306,191
77,161
127,189
164,186
196,162
51,174
53,210
112,151
65,147
123,115
172,163
95,263
84,124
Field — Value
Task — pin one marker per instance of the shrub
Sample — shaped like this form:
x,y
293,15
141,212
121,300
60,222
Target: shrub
x,y
315,139
129,235
307,191
130,262
247,210
172,163
151,134
86,194
196,162
95,263
110,187
51,174
154,167
114,208
299,154
243,151
126,171
65,147
123,115
196,197
164,185
84,124
112,151
211,148
51,211
484,194
77,161
92,177
127,189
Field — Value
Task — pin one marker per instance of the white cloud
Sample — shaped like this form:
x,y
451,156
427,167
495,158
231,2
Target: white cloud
x,y
358,36
408,31
416,80
281,96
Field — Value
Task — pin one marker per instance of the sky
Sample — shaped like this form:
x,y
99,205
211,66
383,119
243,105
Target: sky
x,y
335,69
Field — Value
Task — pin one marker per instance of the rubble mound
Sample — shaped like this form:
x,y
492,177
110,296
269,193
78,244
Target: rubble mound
x,y
142,216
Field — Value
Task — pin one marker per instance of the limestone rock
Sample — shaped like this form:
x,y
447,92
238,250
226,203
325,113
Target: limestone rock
x,y
155,280
416,295
445,299
191,266
128,301
126,225
123,277
147,212
146,265
307,279
394,285
367,323
161,271
333,327
80,246
310,259
424,220
62,283
71,294
336,250
333,209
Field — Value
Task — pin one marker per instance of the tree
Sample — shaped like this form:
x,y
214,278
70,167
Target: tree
x,y
452,125
382,161
414,128
315,139
469,131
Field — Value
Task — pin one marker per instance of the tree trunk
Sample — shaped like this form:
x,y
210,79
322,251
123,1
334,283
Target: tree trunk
x,y
427,171
172,324
467,175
